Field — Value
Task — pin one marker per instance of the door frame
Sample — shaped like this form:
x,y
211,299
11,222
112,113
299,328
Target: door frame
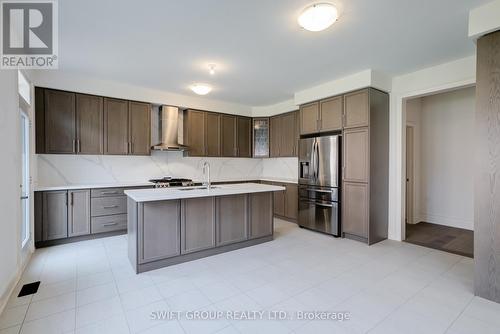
x,y
410,175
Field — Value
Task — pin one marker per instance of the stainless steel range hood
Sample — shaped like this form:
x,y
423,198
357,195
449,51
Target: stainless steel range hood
x,y
169,123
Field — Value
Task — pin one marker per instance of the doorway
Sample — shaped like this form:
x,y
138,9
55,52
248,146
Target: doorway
x,y
25,177
439,174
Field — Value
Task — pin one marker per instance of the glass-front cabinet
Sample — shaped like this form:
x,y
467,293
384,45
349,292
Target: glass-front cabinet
x,y
260,135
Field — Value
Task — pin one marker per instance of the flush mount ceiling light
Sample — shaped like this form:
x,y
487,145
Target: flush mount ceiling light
x,y
201,88
318,16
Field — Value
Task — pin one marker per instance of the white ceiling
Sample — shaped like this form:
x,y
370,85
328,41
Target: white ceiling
x,y
263,56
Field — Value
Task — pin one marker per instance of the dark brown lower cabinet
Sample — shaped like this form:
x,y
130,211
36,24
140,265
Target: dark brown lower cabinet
x,y
55,215
78,212
232,219
261,217
286,202
159,230
197,224
355,209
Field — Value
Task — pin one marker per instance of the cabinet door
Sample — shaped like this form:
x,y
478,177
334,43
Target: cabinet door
x,y
331,112
198,224
355,209
244,133
159,230
89,124
309,115
279,202
228,136
213,134
291,201
275,135
116,137
232,224
60,122
55,215
288,144
260,137
79,212
195,133
357,109
40,120
140,128
261,215
356,155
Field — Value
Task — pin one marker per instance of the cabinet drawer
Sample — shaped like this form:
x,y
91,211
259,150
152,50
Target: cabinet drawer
x,y
107,192
103,206
108,223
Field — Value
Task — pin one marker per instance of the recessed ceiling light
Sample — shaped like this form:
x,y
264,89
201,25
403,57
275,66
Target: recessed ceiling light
x,y
318,17
211,69
201,88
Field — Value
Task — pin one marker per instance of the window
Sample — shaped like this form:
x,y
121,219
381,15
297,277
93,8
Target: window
x,y
25,178
24,88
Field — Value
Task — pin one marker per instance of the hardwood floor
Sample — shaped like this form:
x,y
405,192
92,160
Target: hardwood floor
x,y
449,239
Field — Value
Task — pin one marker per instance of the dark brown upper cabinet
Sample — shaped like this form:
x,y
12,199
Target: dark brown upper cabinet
x,y
244,133
228,136
331,113
357,109
284,135
89,124
139,128
73,123
60,122
213,137
116,127
194,133
309,118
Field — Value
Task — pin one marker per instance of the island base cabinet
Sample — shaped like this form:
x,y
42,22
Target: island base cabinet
x,y
231,219
159,230
197,224
261,215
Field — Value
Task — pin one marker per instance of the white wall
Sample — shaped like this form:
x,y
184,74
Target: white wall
x,y
484,19
445,168
12,258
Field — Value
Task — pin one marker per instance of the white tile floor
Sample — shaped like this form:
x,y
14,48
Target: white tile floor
x,y
391,287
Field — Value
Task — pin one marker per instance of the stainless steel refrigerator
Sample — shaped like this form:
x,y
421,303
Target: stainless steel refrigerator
x,y
319,184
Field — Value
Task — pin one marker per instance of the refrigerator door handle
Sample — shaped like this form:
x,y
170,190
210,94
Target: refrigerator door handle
x,y
317,160
313,160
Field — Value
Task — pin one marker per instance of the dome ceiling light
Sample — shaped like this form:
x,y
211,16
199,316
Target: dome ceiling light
x,y
318,17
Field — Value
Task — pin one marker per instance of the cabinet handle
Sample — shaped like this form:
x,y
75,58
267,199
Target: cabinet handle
x,y
319,190
110,224
131,147
110,207
79,146
71,199
74,146
109,192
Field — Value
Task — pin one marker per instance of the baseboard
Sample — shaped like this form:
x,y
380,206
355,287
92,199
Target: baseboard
x,y
4,299
446,221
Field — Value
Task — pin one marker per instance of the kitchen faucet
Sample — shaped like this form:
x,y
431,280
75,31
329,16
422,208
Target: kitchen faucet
x,y
206,170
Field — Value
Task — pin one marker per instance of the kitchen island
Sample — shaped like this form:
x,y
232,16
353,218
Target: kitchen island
x,y
175,225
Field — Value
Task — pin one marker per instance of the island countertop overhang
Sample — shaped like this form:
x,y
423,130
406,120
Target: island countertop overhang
x,y
165,194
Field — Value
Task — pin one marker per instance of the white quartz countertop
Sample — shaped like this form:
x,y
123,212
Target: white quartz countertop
x,y
94,186
149,195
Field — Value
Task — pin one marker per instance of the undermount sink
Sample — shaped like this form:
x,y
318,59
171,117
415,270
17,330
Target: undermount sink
x,y
197,188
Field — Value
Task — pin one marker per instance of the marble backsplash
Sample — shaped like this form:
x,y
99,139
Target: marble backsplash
x,y
63,170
